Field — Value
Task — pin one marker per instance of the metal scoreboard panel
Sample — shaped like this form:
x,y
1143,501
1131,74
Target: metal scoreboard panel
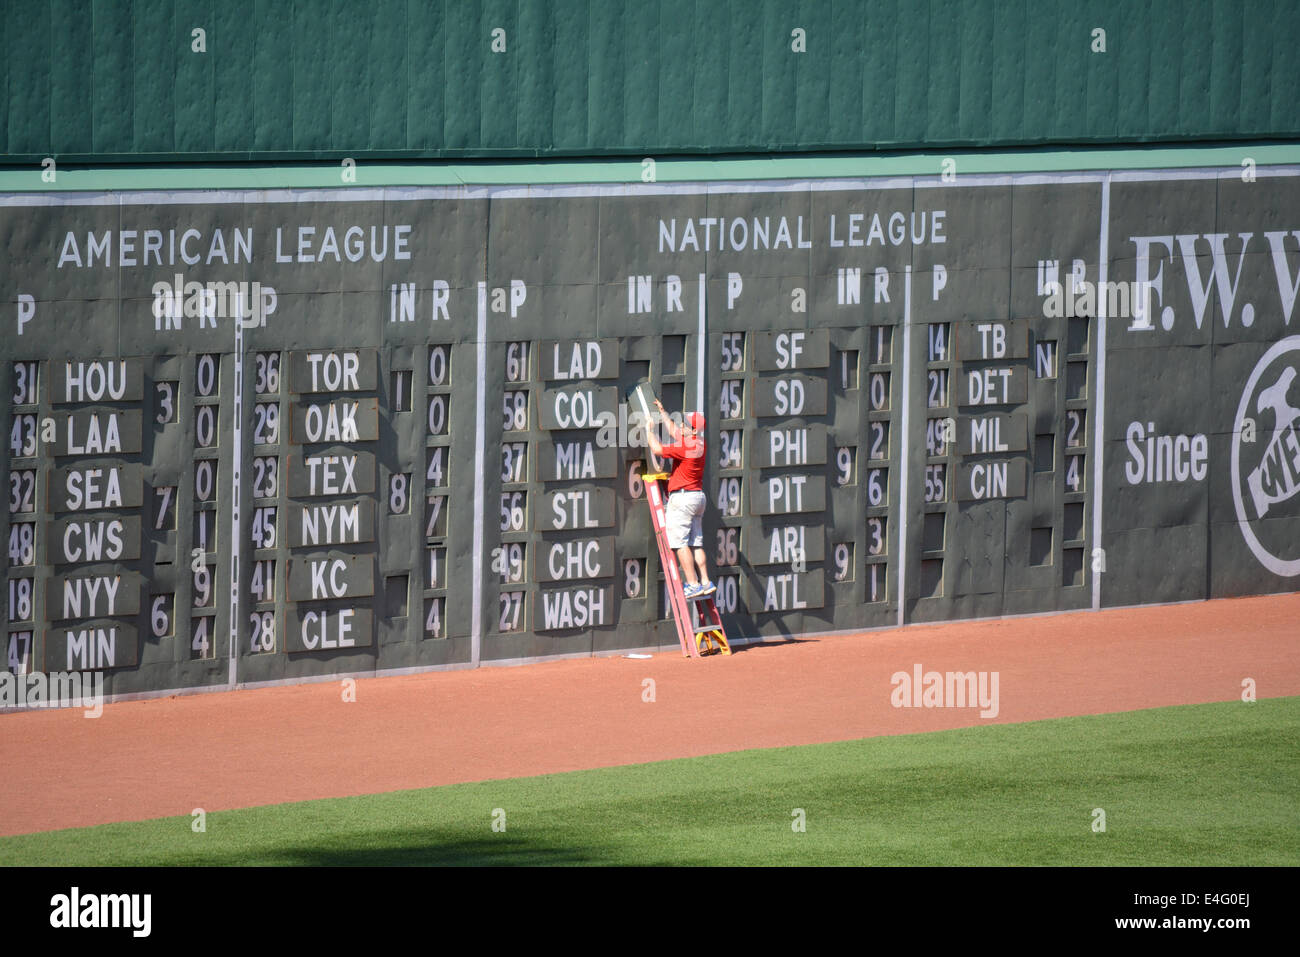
x,y
421,453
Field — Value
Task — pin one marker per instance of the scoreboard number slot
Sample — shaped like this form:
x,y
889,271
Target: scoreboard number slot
x,y
266,423
25,383
729,448
733,352
262,583
842,555
165,394
21,599
514,409
22,437
435,618
201,643
514,511
877,486
161,610
877,535
263,533
436,475
731,400
266,373
728,547
845,466
399,486
261,637
22,491
514,456
633,570
517,362
508,561
205,376
435,517
438,413
18,652
205,480
512,611
878,391
936,483
439,365
22,543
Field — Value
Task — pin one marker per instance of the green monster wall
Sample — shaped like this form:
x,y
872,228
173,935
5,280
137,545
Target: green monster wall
x,y
122,81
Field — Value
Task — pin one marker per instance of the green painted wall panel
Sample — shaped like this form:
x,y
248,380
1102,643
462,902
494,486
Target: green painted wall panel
x,y
879,79
1256,65
1284,94
1226,65
348,72
1039,67
605,111
114,80
1134,53
233,33
1074,59
775,72
943,97
676,80
641,88
536,69
155,78
316,70
192,127
1102,116
744,114
388,53
1194,79
497,127
29,82
711,76
425,77
847,51
569,106
69,80
975,89
5,85
813,78
1164,79
1007,104
912,72
463,55
273,72
112,86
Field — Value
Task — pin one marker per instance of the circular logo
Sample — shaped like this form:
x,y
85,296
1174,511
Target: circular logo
x,y
1266,433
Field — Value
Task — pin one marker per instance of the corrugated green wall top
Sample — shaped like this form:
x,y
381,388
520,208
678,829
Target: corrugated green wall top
x,y
327,79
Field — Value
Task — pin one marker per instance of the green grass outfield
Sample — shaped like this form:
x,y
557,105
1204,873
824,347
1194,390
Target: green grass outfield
x,y
1215,784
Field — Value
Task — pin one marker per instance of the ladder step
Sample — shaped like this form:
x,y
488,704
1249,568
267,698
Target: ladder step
x,y
703,628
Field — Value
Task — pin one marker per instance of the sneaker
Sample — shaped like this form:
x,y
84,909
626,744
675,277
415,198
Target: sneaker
x,y
691,591
708,588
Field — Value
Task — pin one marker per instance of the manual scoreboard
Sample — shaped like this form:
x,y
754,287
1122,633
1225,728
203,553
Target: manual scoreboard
x,y
270,436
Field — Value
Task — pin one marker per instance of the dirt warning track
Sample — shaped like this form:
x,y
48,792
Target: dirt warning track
x,y
146,759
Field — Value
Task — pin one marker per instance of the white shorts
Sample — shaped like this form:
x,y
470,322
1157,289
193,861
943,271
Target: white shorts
x,y
685,519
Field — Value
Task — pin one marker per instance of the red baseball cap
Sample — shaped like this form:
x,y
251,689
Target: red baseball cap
x,y
696,421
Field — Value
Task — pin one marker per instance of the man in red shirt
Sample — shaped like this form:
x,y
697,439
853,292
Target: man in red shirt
x,y
686,501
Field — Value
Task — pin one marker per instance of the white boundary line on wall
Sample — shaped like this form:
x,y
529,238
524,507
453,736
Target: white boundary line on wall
x,y
907,445
701,350
235,537
1099,406
480,431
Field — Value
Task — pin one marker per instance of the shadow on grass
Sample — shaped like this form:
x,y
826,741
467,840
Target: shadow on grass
x,y
417,848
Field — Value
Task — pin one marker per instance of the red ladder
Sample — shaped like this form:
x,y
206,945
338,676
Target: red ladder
x,y
699,625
